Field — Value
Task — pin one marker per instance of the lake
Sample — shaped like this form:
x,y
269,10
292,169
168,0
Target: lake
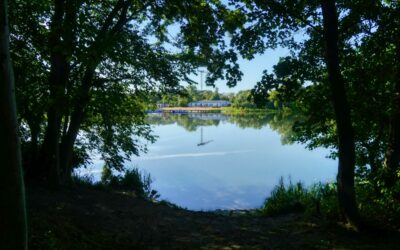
x,y
206,161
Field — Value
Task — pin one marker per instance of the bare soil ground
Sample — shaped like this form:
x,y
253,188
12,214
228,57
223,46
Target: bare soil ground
x,y
80,218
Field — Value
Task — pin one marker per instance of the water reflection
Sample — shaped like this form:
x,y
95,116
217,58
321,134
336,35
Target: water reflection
x,y
282,122
192,121
215,161
202,142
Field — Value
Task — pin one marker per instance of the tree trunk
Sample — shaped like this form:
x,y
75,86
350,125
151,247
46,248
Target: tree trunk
x,y
61,45
64,153
392,157
49,155
77,117
107,31
30,161
345,177
13,228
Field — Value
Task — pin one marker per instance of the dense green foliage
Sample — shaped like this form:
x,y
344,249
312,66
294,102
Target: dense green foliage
x,y
341,80
319,199
369,68
138,182
86,71
132,180
378,206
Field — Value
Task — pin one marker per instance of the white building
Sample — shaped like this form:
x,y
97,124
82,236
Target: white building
x,y
210,103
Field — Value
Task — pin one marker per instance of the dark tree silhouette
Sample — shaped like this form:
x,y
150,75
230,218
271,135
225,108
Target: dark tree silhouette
x,y
13,229
345,134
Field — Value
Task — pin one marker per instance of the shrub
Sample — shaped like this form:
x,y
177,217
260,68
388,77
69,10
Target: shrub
x,y
132,180
324,200
285,199
82,180
86,181
378,204
319,199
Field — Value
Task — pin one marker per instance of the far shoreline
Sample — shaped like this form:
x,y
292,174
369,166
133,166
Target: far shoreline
x,y
224,110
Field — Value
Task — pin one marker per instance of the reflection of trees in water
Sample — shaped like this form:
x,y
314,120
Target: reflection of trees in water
x,y
188,122
282,121
250,121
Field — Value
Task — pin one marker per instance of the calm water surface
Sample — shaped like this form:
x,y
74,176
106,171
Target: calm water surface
x,y
213,161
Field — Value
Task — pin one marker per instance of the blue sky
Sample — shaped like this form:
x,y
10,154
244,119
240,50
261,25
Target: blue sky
x,y
252,71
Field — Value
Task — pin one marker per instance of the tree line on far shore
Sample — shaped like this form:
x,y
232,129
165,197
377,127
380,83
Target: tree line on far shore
x,y
190,93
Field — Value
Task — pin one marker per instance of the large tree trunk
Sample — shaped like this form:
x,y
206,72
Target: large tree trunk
x,y
77,117
61,39
345,134
48,160
32,154
49,154
392,157
13,229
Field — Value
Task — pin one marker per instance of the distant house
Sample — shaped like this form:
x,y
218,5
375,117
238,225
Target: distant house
x,y
162,105
210,103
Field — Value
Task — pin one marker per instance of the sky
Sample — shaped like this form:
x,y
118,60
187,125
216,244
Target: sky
x,y
252,71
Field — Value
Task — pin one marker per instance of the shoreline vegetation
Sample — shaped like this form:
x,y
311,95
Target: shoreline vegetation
x,y
246,111
223,110
102,215
125,212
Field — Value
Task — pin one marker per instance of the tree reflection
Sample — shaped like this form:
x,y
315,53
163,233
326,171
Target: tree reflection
x,y
281,120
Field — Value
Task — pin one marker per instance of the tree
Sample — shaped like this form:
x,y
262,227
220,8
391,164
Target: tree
x,y
243,99
366,37
345,176
392,154
87,49
303,74
216,95
13,228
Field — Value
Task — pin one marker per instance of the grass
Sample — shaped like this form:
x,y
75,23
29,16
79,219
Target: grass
x,y
132,180
319,199
378,207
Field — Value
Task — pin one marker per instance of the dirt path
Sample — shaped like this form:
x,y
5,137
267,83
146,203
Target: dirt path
x,y
90,219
